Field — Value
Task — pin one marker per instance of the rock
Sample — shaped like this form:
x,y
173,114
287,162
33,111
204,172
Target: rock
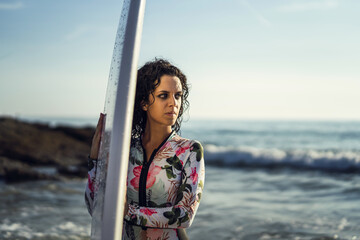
x,y
15,171
25,145
73,171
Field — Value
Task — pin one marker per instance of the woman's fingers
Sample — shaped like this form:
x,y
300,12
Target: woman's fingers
x,y
94,152
100,124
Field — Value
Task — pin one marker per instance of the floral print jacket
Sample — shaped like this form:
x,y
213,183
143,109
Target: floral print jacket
x,y
163,193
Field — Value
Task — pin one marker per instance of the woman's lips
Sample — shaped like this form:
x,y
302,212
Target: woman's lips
x,y
171,113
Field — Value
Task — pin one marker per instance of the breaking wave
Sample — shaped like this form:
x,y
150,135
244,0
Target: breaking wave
x,y
326,160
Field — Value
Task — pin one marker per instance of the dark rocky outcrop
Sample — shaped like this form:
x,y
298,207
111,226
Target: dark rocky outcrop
x,y
15,171
24,147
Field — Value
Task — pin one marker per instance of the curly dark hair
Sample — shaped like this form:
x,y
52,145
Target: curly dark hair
x,y
148,79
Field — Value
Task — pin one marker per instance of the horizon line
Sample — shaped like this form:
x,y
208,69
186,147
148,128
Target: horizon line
x,y
41,116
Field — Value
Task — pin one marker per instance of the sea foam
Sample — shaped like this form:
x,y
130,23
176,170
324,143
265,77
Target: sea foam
x,y
327,160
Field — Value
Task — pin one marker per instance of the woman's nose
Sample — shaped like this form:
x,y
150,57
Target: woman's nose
x,y
173,101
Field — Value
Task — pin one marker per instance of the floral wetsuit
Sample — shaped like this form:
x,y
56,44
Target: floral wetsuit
x,y
163,193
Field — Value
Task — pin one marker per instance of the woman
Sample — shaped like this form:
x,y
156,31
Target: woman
x,y
166,172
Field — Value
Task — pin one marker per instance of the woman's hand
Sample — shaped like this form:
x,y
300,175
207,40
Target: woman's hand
x,y
126,207
94,151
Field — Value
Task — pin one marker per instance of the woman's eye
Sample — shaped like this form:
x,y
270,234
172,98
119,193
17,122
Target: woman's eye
x,y
163,96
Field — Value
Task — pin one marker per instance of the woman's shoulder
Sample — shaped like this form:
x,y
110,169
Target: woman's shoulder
x,y
187,144
189,149
181,141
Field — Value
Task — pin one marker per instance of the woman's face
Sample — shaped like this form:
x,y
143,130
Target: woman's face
x,y
165,102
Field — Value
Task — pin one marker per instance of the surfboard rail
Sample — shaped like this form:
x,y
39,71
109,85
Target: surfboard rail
x,y
115,155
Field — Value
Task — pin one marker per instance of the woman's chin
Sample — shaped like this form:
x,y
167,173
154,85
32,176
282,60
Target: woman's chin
x,y
172,122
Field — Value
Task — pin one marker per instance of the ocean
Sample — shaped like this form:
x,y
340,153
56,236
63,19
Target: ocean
x,y
264,180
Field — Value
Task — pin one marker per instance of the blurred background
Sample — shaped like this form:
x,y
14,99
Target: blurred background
x,y
274,100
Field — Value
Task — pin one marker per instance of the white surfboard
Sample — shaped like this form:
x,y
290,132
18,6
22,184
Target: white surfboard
x,y
107,221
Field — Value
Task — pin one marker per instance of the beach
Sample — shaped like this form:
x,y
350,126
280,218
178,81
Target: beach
x,y
264,180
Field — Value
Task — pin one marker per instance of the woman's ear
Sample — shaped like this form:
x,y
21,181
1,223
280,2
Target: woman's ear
x,y
144,106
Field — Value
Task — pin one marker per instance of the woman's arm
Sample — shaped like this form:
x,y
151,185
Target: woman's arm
x,y
188,198
92,162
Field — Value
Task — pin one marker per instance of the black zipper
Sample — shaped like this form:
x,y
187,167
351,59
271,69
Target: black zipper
x,y
145,170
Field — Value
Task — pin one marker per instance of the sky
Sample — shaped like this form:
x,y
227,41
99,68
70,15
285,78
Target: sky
x,y
259,59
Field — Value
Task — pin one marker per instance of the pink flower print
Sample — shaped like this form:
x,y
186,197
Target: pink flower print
x,y
135,181
90,183
166,145
151,177
181,150
193,175
147,211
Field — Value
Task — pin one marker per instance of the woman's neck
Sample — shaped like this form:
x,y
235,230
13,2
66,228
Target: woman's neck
x,y
154,135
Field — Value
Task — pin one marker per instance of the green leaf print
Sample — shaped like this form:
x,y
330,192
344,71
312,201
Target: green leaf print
x,y
174,215
199,197
169,173
199,155
135,155
133,220
201,184
132,160
166,167
181,188
183,219
188,188
196,147
169,214
183,177
170,160
172,221
143,221
175,162
177,212
179,197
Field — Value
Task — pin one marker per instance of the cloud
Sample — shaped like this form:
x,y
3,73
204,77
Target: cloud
x,y
310,5
11,6
263,21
